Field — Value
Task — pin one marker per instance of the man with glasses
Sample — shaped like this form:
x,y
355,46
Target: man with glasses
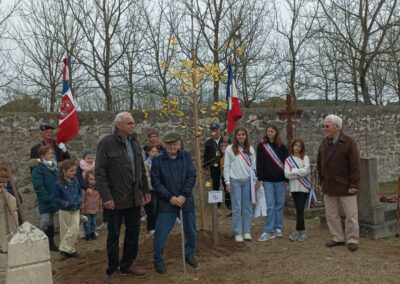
x,y
338,167
122,183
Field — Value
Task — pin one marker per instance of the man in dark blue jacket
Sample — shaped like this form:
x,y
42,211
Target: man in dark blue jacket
x,y
173,177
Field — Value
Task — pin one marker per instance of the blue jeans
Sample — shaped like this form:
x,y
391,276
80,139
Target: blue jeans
x,y
165,223
242,208
90,225
275,193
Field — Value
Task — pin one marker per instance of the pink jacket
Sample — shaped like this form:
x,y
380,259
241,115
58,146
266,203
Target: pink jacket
x,y
91,203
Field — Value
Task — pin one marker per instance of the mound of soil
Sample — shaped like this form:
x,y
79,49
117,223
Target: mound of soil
x,y
273,261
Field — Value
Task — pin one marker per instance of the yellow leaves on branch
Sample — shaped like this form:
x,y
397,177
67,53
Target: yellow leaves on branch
x,y
170,107
186,71
145,113
217,107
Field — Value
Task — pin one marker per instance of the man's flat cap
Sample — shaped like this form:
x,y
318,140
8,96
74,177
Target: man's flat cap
x,y
171,137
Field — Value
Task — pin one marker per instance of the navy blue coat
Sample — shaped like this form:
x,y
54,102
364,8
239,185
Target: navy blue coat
x,y
173,177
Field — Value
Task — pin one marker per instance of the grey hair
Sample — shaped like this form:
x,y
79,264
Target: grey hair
x,y
119,116
335,120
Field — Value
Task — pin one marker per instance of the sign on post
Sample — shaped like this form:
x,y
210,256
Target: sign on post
x,y
214,196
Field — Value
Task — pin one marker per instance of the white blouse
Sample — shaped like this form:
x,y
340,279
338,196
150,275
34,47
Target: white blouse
x,y
235,167
294,174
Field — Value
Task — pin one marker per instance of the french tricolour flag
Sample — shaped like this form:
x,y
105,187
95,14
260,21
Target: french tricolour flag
x,y
234,112
68,126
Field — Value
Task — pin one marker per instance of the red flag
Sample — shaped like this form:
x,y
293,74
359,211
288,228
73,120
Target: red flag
x,y
68,126
235,112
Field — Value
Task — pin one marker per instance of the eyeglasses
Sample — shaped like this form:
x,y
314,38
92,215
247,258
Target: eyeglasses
x,y
325,126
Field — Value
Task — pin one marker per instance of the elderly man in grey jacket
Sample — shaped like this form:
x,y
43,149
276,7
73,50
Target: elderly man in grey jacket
x,y
122,183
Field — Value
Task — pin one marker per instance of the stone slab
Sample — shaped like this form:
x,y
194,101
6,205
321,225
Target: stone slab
x,y
31,274
29,245
3,267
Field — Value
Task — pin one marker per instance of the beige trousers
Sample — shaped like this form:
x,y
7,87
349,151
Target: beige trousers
x,y
69,230
349,206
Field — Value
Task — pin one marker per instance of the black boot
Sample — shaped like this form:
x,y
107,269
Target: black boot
x,y
50,235
93,236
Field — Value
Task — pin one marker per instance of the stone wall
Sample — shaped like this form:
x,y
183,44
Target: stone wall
x,y
376,130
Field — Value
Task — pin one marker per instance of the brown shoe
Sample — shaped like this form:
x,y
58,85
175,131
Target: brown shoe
x,y
114,278
133,272
352,246
332,243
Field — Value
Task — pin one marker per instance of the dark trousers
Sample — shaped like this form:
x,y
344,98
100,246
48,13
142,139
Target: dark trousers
x,y
132,230
300,199
106,213
216,178
151,211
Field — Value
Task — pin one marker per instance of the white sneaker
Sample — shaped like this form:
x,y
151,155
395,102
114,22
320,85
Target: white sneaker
x,y
278,233
247,237
102,226
82,233
239,238
266,236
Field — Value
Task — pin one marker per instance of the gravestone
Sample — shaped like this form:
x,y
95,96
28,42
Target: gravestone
x,y
374,219
29,257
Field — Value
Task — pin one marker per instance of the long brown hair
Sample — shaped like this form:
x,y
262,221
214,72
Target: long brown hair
x,y
277,140
65,165
303,148
246,144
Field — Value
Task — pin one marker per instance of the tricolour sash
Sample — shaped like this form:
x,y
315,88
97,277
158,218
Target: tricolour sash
x,y
252,174
274,157
303,180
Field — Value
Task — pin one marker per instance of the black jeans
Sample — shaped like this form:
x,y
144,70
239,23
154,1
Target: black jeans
x,y
216,178
151,211
106,214
132,230
300,199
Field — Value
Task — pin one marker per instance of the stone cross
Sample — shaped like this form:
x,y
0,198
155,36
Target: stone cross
x,y
289,112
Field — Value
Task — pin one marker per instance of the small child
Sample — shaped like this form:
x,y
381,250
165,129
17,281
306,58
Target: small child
x,y
86,165
151,207
68,195
297,170
91,205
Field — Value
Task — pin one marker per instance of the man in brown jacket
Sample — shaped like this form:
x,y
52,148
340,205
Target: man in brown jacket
x,y
339,176
122,183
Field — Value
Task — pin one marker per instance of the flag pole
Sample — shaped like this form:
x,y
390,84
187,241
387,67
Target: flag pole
x,y
196,128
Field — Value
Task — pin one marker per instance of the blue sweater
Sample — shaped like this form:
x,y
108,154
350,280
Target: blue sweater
x,y
68,195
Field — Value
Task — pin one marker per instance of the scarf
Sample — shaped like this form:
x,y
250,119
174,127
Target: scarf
x,y
86,167
51,165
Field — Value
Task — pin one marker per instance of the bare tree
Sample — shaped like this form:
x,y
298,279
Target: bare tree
x,y
161,20
6,12
41,61
296,33
361,26
102,22
254,50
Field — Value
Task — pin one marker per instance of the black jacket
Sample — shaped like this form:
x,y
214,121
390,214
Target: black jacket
x,y
210,153
59,155
113,171
266,168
